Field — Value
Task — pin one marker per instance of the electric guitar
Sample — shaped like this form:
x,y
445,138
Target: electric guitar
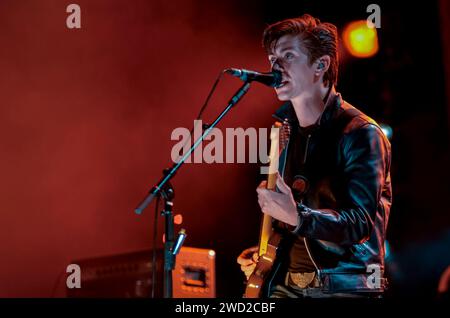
x,y
269,239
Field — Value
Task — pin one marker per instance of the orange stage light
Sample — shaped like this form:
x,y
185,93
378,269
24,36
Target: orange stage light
x,y
360,39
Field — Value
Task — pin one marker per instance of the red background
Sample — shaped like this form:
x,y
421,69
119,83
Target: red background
x,y
86,118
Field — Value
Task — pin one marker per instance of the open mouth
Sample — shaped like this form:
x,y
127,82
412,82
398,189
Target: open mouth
x,y
282,84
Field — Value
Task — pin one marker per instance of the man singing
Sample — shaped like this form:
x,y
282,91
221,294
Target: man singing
x,y
336,223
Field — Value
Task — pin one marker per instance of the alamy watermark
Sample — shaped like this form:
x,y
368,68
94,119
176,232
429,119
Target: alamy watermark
x,y
374,19
74,278
374,279
218,147
73,20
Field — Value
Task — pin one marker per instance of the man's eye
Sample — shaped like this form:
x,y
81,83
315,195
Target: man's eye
x,y
289,56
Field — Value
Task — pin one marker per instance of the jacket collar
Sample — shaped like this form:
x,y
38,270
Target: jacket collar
x,y
287,113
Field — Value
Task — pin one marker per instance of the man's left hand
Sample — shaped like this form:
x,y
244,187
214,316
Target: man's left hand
x,y
280,205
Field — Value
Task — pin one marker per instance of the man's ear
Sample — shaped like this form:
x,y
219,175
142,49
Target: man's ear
x,y
322,64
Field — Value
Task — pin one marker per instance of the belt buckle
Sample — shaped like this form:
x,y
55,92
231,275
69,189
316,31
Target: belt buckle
x,y
302,280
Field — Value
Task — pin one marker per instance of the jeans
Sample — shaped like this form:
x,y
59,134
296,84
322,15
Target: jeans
x,y
290,290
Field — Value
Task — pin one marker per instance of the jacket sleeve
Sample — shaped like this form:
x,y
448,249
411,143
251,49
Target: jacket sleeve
x,y
365,155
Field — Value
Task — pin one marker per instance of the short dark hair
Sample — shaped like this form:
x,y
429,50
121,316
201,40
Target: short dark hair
x,y
316,37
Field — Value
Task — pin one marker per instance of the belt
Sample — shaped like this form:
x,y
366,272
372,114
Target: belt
x,y
302,280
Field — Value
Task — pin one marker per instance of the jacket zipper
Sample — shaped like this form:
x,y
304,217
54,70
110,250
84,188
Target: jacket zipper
x,y
304,238
306,149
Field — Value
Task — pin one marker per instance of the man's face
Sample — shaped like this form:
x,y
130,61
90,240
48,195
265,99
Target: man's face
x,y
297,75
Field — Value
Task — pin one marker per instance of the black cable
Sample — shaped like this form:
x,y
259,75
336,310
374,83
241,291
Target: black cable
x,y
155,231
210,94
155,227
57,282
203,108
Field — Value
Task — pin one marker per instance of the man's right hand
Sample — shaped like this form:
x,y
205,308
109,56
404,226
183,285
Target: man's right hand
x,y
248,260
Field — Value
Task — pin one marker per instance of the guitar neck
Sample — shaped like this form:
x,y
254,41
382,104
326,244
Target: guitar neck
x,y
266,225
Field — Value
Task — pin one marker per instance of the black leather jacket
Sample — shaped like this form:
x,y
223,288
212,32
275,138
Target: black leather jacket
x,y
345,212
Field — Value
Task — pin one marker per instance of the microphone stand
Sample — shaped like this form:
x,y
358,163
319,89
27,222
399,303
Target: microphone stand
x,y
165,190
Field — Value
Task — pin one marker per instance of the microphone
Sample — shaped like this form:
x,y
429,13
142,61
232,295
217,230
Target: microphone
x,y
272,79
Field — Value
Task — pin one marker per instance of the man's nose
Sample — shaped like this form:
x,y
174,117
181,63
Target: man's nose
x,y
277,66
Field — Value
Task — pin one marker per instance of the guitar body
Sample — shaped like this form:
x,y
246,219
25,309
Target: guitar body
x,y
259,281
269,240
